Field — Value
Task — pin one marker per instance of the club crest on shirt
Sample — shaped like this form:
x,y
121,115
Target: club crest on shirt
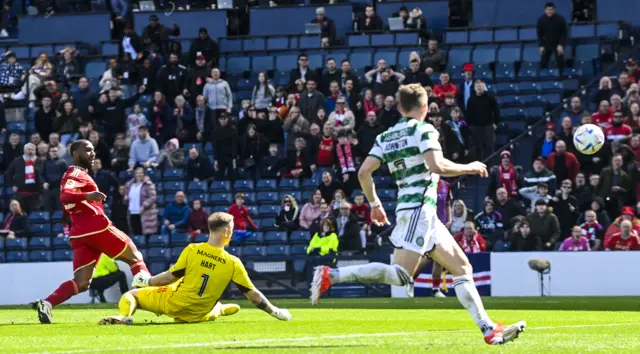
x,y
70,184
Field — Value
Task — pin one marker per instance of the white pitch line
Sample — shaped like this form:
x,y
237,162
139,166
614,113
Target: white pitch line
x,y
249,343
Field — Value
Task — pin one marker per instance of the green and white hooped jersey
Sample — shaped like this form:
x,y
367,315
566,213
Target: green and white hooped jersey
x,y
401,147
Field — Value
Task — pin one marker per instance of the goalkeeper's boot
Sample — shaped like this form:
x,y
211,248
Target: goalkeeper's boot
x,y
224,310
43,308
502,334
116,320
321,282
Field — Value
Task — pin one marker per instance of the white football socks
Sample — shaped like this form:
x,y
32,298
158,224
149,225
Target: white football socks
x,y
371,273
363,239
470,299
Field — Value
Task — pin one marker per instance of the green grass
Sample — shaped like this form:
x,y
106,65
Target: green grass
x,y
555,325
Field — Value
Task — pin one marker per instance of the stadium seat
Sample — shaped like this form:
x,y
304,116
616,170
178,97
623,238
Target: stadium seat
x,y
481,36
275,238
456,37
505,35
572,73
532,100
587,51
388,55
236,251
509,53
253,210
383,181
220,187
275,250
39,217
175,253
61,243
527,34
387,194
552,86
267,224
40,256
528,87
39,243
300,237
585,30
256,240
459,56
180,238
531,53
125,176
277,43
230,45
254,251
267,185
197,187
506,88
298,250
243,186
548,74
238,64
297,195
250,198
608,30
203,197
159,267
139,240
254,44
286,62
309,42
267,198
40,230
201,238
17,256
173,174
262,63
269,211
358,40
62,255
159,255
360,59
173,187
158,240
109,49
289,184
484,54
409,38
382,39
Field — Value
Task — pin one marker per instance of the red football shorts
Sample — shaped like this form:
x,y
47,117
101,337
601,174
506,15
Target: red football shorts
x,y
88,249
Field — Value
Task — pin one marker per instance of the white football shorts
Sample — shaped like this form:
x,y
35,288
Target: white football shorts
x,y
418,230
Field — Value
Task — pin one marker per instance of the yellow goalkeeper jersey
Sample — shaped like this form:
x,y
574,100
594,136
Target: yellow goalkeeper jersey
x,y
205,272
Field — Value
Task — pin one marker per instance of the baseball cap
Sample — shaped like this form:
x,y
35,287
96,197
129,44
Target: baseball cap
x,y
628,211
541,202
467,67
505,153
550,126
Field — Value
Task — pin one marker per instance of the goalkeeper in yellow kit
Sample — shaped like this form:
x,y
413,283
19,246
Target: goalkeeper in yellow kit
x,y
191,289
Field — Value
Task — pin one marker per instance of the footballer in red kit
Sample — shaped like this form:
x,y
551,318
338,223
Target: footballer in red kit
x,y
91,234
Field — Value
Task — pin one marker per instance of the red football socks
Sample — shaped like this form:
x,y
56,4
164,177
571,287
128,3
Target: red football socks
x,y
436,283
63,293
138,266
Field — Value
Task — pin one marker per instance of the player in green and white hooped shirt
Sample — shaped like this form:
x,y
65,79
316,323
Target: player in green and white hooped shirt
x,y
414,156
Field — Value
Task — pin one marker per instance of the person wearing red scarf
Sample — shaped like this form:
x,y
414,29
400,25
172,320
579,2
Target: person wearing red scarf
x,y
470,240
444,87
504,176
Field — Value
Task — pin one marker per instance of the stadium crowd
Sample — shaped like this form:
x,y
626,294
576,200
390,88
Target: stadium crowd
x,y
316,130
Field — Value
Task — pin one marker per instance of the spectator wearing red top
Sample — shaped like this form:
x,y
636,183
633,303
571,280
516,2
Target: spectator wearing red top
x,y
633,70
363,212
617,130
592,230
616,225
198,219
504,176
562,163
603,116
241,219
444,87
298,162
625,240
470,240
616,103
326,147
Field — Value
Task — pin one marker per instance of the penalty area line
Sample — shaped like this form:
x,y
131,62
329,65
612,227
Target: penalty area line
x,y
250,343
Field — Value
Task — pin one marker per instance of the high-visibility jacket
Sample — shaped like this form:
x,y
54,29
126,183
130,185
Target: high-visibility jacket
x,y
326,243
105,266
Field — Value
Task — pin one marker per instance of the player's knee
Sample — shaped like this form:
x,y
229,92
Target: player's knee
x,y
466,268
83,285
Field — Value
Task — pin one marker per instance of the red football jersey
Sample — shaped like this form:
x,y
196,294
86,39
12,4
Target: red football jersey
x,y
616,243
615,133
87,217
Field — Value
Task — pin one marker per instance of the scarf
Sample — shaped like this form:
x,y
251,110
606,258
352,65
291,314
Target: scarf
x,y
470,246
339,118
369,106
200,118
295,215
29,170
158,118
8,221
508,180
456,130
345,158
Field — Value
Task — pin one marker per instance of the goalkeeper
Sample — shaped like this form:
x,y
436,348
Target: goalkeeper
x,y
191,289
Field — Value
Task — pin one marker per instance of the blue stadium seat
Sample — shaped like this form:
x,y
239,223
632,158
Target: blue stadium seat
x,y
124,176
173,174
389,55
159,266
109,49
270,211
552,99
289,184
571,85
243,84
236,251
139,240
587,51
277,43
199,186
238,64
21,52
39,243
255,240
300,237
481,36
175,253
158,241
39,217
552,86
456,37
62,255
316,59
306,195
503,74
586,66
230,45
180,238
254,44
403,55
19,128
526,73
161,200
389,207
17,256
509,101
40,256
509,53
254,251
298,250
309,42
250,198
159,255
262,63
203,197
528,87
360,59
95,69
383,181
584,30
201,238
548,74
154,175
60,243
531,53
609,30
506,88
534,112
278,250
267,198
459,55
267,224
267,185
286,62
221,199
532,100
513,114
527,34
358,40
40,230
382,39
220,187
572,73
275,238
408,38
505,35
253,210
172,187
243,186
387,194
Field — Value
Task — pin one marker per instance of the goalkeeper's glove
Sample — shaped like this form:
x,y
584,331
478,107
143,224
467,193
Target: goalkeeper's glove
x,y
141,280
281,314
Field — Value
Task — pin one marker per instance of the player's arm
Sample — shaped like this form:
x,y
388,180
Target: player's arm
x,y
437,163
365,176
162,279
244,284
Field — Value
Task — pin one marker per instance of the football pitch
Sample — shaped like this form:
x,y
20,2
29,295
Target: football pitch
x,y
555,325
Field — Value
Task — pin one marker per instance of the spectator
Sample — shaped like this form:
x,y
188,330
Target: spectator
x,y
112,113
451,147
11,149
522,238
310,101
624,84
470,240
38,74
106,274
459,216
35,139
616,103
362,211
159,113
617,130
388,116
142,213
120,210
592,230
100,148
198,167
218,94
302,72
52,171
147,75
584,193
446,86
295,126
565,207
120,154
176,214
432,59
575,242
327,27
253,147
43,151
370,21
490,223
416,20
597,206
109,79
45,116
386,86
413,74
288,218
68,66
297,162
131,43
552,35
332,98
144,151
25,176
508,206
311,210
540,174
16,223
535,193
196,79
368,102
242,222
54,140
604,116
171,157
347,75
206,47
575,111
625,240
544,224
483,117
330,75
324,242
368,132
182,124
155,36
351,236
353,99
566,134
615,186
11,72
172,77
263,93
273,164
562,163
505,175
105,180
66,123
347,166
204,118
134,121
325,213
225,142
605,90
342,118
198,219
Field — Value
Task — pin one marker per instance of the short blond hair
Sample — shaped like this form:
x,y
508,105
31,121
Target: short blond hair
x,y
412,97
217,221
